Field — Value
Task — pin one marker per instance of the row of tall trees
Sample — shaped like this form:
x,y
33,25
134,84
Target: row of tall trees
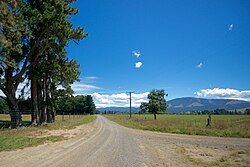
x,y
33,37
63,105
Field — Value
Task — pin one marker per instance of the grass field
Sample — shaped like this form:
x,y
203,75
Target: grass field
x,y
221,125
11,139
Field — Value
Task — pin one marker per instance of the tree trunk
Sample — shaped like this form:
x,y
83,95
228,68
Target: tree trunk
x,y
15,116
34,99
154,116
47,97
53,114
52,90
41,111
41,100
10,92
49,116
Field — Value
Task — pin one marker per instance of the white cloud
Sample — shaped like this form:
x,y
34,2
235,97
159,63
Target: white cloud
x,y
120,96
119,100
224,93
89,79
231,26
25,84
141,101
200,65
83,88
138,64
136,53
140,96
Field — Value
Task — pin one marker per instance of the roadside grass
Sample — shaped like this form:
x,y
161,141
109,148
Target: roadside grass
x,y
69,122
221,125
12,139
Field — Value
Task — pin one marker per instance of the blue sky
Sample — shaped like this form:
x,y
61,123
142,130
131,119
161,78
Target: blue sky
x,y
189,48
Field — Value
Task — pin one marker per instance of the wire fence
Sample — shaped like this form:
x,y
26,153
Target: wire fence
x,y
24,118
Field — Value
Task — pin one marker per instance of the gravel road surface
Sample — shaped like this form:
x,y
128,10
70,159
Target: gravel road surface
x,y
107,144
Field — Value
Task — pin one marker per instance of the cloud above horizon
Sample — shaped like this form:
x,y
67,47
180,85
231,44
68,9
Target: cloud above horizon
x,y
24,85
231,26
224,93
200,65
136,53
90,78
138,64
119,100
83,88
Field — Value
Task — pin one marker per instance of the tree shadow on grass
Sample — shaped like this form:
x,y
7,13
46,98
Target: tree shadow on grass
x,y
6,124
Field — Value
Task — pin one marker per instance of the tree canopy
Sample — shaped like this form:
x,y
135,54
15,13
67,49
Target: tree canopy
x,y
157,104
33,38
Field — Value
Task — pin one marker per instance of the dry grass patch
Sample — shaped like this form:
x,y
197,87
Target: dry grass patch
x,y
211,157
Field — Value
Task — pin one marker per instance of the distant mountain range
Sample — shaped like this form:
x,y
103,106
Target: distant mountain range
x,y
191,104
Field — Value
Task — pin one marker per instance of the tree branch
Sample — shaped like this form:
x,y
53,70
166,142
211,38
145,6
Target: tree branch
x,y
25,67
8,95
19,77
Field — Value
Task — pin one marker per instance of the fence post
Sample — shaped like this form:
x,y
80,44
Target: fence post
x,y
208,120
63,116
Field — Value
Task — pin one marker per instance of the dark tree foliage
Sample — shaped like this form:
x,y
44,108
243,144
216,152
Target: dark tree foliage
x,y
220,112
4,109
76,105
89,105
248,111
24,105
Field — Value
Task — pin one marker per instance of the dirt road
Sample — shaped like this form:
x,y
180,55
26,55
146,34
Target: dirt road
x,y
107,144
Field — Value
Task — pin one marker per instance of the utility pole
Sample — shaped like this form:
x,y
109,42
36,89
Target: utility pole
x,y
130,104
